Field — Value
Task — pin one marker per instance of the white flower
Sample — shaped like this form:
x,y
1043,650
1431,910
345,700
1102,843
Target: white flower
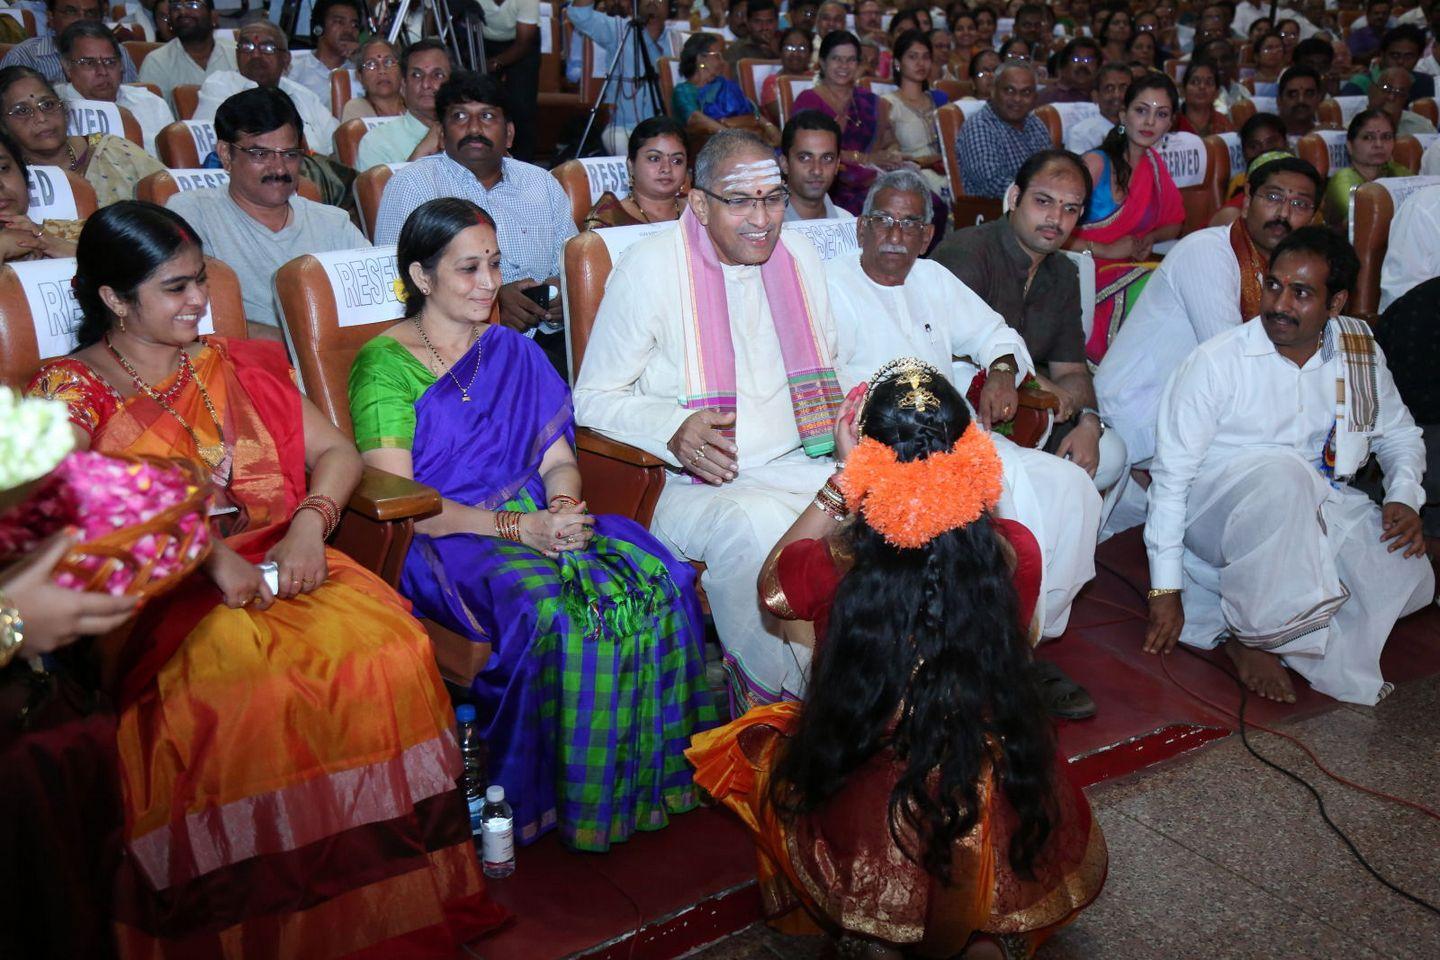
x,y
35,435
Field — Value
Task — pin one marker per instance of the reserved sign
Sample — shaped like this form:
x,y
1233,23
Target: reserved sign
x,y
362,281
200,179
50,196
606,173
832,238
53,308
1184,155
84,117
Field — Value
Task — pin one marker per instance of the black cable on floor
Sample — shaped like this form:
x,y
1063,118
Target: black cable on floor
x,y
1245,739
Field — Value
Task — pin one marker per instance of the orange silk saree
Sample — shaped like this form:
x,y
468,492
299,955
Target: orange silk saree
x,y
289,775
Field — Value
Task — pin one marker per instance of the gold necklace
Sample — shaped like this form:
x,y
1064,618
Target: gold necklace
x,y
448,368
74,160
214,454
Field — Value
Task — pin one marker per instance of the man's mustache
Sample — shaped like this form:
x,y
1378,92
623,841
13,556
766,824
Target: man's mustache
x,y
1275,316
1282,224
479,138
277,178
894,248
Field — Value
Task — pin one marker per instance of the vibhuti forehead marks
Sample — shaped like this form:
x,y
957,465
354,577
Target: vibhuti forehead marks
x,y
756,175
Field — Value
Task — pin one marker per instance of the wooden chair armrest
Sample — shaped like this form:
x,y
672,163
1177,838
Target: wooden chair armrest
x,y
1037,399
384,497
602,446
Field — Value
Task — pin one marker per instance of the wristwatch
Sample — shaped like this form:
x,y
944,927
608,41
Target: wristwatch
x,y
12,631
1096,413
1001,366
1161,592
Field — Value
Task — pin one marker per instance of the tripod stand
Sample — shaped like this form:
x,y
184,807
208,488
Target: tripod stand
x,y
460,32
642,78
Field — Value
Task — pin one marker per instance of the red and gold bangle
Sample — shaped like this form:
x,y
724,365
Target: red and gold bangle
x,y
831,501
507,525
325,506
564,498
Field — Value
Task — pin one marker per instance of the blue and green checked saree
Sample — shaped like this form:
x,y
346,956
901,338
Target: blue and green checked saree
x,y
596,680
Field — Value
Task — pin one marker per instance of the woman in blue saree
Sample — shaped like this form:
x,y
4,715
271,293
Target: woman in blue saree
x,y
596,680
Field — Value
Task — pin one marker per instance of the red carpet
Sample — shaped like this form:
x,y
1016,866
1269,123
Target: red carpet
x,y
665,893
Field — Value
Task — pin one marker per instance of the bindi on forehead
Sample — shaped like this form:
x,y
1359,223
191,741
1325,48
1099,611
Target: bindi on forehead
x,y
758,176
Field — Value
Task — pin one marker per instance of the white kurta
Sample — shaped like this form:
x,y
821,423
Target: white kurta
x,y
1263,545
1414,252
319,122
1193,295
935,317
630,387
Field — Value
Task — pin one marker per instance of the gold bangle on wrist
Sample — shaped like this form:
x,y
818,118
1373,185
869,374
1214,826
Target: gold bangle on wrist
x,y
12,631
1161,592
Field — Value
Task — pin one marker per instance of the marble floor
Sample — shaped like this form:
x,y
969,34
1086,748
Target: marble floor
x,y
1215,855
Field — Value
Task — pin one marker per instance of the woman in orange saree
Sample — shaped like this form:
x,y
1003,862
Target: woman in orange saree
x,y
914,801
288,760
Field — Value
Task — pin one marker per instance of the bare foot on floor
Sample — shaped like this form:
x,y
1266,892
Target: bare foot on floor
x,y
1261,672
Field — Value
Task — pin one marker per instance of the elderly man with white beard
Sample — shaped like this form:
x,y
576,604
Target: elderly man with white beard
x,y
888,303
712,349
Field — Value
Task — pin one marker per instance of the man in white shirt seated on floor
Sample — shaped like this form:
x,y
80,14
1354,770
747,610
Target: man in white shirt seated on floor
x,y
1256,539
888,303
90,57
424,68
262,56
713,350
192,54
1208,283
339,38
1413,255
810,161
258,223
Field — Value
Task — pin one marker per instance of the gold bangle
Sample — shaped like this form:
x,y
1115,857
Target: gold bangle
x,y
1161,592
12,631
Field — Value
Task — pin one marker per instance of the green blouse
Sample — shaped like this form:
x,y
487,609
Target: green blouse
x,y
386,381
1336,206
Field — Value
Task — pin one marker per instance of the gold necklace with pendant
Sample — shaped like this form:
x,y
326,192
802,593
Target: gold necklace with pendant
x,y
217,456
449,368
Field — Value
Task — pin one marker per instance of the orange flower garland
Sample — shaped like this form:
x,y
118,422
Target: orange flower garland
x,y
912,503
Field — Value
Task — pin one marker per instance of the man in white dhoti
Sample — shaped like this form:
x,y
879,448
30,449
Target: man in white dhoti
x,y
712,350
887,304
1256,539
1209,283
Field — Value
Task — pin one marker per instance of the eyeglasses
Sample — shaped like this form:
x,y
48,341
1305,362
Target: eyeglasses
x,y
96,63
379,63
910,226
250,46
1088,60
1297,203
195,5
796,48
262,154
739,205
1390,90
24,111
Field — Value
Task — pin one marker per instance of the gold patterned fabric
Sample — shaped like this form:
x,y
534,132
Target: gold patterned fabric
x,y
839,870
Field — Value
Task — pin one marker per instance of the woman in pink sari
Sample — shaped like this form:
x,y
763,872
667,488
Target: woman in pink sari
x,y
1133,206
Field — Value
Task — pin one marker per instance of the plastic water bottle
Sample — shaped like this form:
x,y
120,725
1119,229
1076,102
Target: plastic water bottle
x,y
472,753
497,839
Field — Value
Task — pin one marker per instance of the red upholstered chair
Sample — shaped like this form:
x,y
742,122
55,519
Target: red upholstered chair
x,y
751,73
1051,118
1408,152
185,144
187,100
342,90
139,50
369,190
1427,108
1240,111
965,210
